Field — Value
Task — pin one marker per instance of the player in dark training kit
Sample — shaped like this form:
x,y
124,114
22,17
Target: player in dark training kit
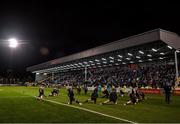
x,y
112,97
71,97
94,96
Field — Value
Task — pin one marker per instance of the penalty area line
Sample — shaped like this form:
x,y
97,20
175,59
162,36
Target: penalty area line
x,y
85,109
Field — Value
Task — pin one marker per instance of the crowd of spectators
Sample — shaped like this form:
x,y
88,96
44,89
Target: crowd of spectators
x,y
141,76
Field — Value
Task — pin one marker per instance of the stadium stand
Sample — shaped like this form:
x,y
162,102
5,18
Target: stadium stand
x,y
145,60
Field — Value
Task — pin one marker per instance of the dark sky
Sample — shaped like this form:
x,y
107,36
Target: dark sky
x,y
62,28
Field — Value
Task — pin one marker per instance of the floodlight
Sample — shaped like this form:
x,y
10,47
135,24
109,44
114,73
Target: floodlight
x,y
169,47
111,57
13,43
130,54
138,57
162,53
120,56
112,61
96,60
149,55
85,62
154,50
150,59
141,52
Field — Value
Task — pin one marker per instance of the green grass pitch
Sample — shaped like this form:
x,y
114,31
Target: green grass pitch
x,y
17,104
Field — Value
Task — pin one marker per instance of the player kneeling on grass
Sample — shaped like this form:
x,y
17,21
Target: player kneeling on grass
x,y
105,94
140,96
94,96
55,92
132,100
112,97
71,97
41,93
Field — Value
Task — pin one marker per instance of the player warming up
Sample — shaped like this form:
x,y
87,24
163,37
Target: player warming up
x,y
55,92
71,97
112,98
94,96
132,100
41,93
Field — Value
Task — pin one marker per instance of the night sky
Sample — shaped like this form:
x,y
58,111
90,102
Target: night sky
x,y
49,30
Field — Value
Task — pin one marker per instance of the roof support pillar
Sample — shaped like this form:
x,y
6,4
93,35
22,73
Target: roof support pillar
x,y
85,74
176,65
52,77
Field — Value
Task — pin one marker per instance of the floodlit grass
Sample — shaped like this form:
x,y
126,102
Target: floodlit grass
x,y
17,104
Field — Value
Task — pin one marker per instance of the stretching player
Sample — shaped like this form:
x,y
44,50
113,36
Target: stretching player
x,y
112,97
71,97
55,92
140,96
106,93
132,100
41,93
94,96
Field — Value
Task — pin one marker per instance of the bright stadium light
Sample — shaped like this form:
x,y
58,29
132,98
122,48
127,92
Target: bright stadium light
x,y
141,52
150,59
112,61
154,50
162,53
120,56
130,54
13,43
96,60
169,47
85,62
149,55
138,57
111,57
91,61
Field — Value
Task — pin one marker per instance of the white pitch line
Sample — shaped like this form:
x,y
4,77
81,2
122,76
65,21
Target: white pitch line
x,y
110,116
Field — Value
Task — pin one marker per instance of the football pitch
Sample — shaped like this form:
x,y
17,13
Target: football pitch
x,y
18,104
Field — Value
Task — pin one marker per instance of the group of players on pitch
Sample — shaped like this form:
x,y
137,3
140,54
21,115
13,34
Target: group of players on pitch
x,y
135,95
